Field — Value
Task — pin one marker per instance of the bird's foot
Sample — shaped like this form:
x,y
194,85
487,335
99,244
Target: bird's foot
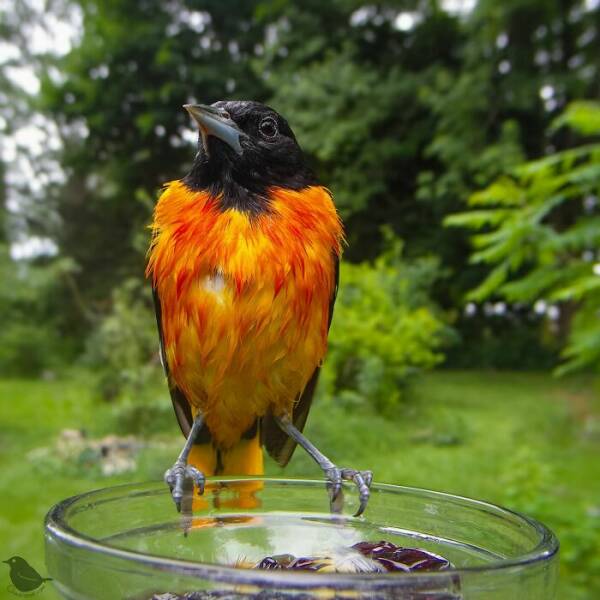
x,y
362,480
175,478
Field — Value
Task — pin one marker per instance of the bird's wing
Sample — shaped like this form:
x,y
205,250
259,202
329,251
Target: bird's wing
x,y
183,411
278,444
27,573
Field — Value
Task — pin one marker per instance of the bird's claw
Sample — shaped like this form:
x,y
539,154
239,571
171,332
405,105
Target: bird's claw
x,y
362,480
176,476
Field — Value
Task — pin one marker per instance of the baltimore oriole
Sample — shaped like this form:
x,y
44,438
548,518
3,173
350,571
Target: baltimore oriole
x,y
244,264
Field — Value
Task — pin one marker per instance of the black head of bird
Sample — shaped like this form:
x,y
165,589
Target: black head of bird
x,y
23,576
244,149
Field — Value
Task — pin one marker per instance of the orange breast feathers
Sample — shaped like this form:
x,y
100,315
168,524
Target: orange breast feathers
x,y
244,300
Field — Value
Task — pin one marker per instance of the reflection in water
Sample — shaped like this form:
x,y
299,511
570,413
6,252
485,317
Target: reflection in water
x,y
234,538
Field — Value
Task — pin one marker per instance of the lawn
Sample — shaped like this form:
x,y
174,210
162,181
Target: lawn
x,y
524,440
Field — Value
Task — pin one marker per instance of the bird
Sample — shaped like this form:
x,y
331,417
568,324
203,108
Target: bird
x,y
23,576
244,267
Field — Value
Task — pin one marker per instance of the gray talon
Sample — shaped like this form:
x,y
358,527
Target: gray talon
x,y
361,479
176,476
197,477
334,483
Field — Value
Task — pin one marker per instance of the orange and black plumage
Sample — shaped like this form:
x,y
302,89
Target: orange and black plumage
x,y
244,267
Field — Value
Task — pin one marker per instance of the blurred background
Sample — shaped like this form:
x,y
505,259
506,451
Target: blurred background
x,y
461,140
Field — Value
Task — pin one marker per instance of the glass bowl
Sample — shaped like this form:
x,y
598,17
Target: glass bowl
x,y
128,542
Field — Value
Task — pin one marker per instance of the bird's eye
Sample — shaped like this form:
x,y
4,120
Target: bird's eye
x,y
268,128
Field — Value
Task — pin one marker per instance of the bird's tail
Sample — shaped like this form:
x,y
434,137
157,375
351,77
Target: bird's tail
x,y
244,458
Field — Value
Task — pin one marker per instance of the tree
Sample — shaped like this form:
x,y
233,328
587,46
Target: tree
x,y
540,230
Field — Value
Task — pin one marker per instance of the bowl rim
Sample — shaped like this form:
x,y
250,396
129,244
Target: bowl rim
x,y
59,530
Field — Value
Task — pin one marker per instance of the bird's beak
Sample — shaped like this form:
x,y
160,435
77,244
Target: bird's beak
x,y
216,122
7,562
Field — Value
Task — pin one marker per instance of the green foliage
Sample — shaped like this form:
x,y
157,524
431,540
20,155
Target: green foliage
x,y
582,116
385,329
30,327
146,413
530,484
28,349
516,340
539,230
124,347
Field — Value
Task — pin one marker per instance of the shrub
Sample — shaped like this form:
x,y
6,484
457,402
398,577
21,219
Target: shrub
x,y
123,349
385,328
31,339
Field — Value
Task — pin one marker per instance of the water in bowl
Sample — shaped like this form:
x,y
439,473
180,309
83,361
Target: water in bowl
x,y
230,539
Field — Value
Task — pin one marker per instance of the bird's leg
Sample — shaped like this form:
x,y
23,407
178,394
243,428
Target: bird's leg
x,y
176,475
334,475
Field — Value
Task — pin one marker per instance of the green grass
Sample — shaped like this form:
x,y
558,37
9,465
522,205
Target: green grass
x,y
524,440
